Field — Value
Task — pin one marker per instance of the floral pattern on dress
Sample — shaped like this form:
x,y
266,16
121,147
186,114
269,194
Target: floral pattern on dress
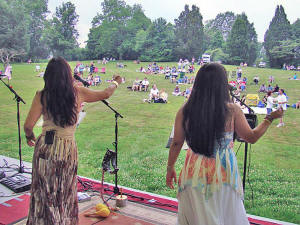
x,y
208,174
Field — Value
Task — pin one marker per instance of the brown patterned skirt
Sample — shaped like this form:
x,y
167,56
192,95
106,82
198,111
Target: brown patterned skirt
x,y
53,198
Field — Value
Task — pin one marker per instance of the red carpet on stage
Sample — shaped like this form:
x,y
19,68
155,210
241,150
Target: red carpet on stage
x,y
133,195
16,209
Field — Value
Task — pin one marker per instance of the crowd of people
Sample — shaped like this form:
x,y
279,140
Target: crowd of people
x,y
154,68
269,101
140,85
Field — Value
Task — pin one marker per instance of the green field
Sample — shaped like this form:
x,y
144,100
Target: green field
x,y
143,133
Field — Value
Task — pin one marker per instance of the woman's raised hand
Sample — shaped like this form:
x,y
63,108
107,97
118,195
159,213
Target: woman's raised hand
x,y
277,114
117,78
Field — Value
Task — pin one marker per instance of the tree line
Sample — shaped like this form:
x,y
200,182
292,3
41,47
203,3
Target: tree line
x,y
124,32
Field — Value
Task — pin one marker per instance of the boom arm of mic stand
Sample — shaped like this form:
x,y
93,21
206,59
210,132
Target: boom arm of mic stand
x,y
250,110
117,113
18,98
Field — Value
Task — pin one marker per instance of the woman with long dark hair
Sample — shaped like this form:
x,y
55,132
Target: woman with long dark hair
x,y
54,167
210,189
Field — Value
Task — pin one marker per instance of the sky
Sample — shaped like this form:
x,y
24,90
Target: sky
x,y
259,12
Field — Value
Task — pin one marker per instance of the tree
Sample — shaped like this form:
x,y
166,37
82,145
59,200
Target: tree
x,y
14,40
213,39
159,43
242,41
287,51
61,30
296,29
37,11
114,31
279,30
189,32
223,23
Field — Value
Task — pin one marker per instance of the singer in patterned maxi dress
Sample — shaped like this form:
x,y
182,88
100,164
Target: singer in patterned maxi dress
x,y
210,190
53,198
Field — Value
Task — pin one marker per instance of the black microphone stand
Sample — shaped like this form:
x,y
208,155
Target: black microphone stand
x,y
18,99
115,143
251,112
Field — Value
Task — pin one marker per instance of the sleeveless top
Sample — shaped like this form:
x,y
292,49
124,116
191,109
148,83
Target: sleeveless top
x,y
63,132
209,174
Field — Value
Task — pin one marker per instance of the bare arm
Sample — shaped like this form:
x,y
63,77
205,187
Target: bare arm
x,y
88,95
32,117
175,149
178,139
243,129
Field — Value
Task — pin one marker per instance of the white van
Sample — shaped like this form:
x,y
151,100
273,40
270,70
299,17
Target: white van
x,y
206,58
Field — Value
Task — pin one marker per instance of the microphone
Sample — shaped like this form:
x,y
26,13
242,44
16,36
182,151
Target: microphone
x,y
85,83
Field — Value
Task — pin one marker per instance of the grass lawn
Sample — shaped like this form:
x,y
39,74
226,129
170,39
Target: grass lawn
x,y
143,133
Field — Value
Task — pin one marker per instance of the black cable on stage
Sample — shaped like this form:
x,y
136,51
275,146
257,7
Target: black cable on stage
x,y
88,186
11,167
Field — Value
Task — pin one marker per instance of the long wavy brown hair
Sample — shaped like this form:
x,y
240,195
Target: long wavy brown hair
x,y
59,95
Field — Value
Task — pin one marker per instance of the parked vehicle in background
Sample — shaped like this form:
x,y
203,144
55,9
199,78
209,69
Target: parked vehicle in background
x,y
262,65
206,58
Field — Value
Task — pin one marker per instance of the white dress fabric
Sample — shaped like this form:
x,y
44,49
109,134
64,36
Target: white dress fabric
x,y
210,189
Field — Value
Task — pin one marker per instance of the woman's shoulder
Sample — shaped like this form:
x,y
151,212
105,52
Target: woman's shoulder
x,y
233,107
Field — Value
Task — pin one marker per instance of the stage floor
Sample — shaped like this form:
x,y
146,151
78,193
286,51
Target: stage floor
x,y
134,213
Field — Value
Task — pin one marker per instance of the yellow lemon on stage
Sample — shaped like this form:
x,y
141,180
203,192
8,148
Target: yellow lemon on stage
x,y
101,206
104,212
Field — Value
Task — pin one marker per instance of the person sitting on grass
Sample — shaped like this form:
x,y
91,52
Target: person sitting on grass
x,y
270,88
243,85
176,91
163,97
262,88
188,92
295,77
271,79
145,85
136,84
191,69
276,88
154,94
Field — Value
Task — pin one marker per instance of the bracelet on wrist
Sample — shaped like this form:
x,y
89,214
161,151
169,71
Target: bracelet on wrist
x,y
116,83
269,118
29,137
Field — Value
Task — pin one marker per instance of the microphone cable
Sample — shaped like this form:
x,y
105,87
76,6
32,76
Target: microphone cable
x,y
248,172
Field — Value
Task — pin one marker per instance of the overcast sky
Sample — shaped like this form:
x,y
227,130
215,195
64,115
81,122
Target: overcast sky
x,y
259,12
